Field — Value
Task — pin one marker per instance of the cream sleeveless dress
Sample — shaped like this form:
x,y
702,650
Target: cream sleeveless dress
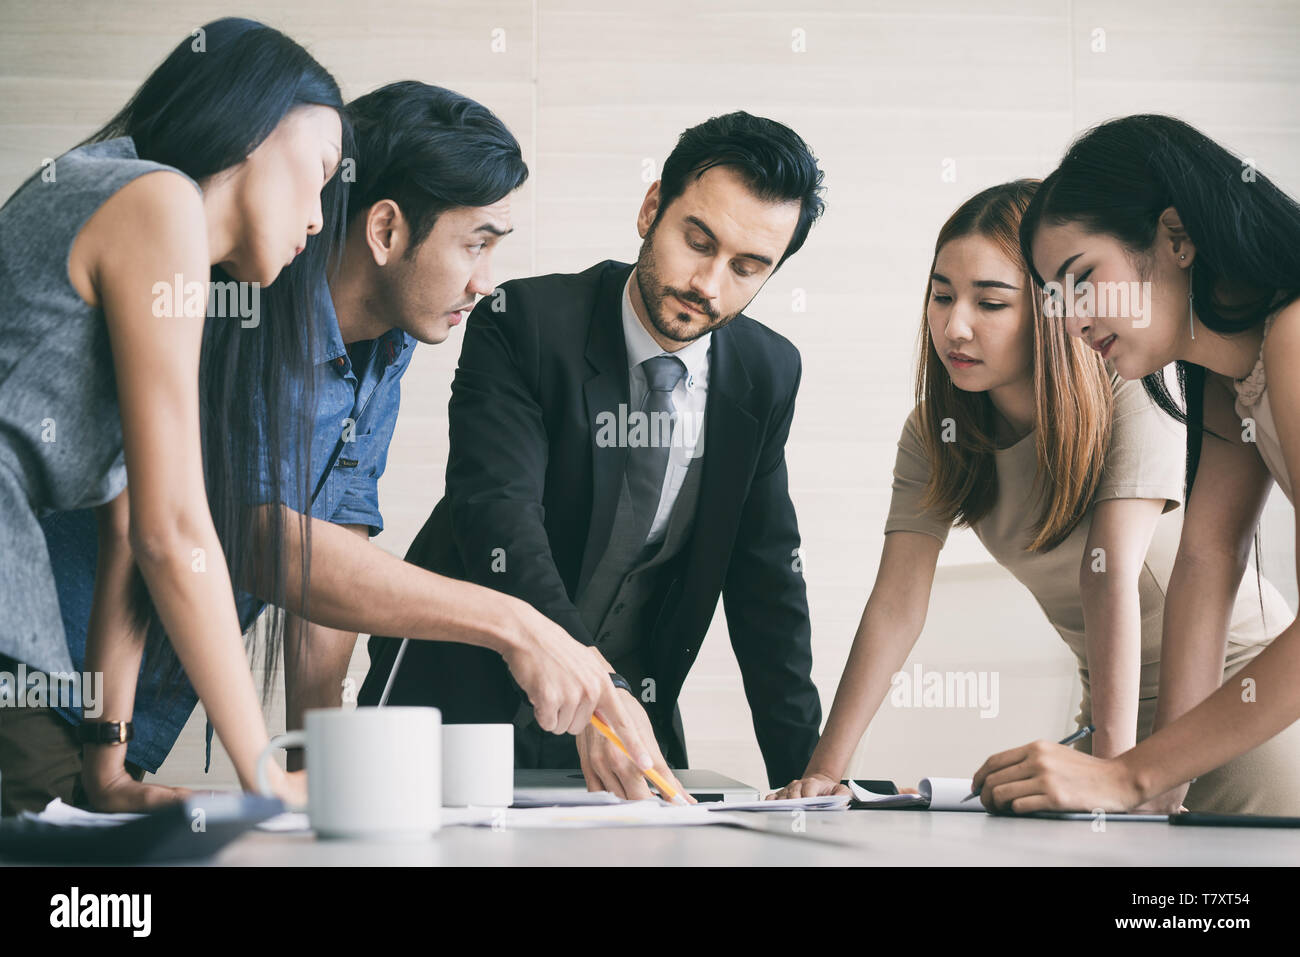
x,y
1145,459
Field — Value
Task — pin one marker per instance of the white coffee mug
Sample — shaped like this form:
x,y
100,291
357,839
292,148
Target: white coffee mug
x,y
371,772
478,765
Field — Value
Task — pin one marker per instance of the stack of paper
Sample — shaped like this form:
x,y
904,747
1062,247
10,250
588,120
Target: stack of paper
x,y
937,794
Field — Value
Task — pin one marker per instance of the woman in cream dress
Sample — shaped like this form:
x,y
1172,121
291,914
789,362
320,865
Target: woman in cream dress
x,y
1079,500
1149,199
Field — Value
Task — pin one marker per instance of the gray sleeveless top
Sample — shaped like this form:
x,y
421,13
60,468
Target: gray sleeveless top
x,y
60,431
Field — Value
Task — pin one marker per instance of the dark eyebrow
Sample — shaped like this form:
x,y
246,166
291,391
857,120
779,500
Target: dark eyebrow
x,y
979,283
757,257
489,228
1065,265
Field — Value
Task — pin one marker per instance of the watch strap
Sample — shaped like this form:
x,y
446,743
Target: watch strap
x,y
106,732
620,682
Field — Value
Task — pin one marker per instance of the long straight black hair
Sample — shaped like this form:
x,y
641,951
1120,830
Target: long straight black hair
x,y
205,108
1117,179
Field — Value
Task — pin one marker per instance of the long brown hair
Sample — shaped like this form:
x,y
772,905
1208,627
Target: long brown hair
x,y
1072,396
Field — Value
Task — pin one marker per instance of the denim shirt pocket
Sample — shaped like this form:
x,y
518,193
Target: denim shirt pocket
x,y
353,495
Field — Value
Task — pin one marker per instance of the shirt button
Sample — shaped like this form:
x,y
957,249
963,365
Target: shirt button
x,y
618,608
690,383
339,362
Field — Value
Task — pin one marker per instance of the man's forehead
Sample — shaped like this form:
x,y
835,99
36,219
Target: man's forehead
x,y
493,220
721,203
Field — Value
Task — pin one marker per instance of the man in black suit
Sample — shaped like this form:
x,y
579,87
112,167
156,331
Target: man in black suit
x,y
617,459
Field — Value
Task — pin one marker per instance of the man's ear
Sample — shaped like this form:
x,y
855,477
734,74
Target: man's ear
x,y
1172,236
645,217
386,232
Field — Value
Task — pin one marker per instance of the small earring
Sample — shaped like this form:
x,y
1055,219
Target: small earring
x,y
1191,323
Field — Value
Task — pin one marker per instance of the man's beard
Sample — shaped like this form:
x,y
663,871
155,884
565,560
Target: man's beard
x,y
656,296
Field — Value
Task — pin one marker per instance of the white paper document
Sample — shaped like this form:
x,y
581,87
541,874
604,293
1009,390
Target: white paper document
x,y
56,812
650,813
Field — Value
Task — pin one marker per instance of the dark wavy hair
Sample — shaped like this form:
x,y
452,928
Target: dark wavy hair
x,y
429,149
771,158
1117,179
204,109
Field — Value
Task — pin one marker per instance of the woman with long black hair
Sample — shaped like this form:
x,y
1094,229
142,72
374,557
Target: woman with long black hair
x,y
221,166
213,171
1149,206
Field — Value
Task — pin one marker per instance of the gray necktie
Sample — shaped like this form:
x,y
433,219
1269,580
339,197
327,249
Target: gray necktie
x,y
648,462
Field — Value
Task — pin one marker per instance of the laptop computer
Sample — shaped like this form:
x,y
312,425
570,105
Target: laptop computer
x,y
701,784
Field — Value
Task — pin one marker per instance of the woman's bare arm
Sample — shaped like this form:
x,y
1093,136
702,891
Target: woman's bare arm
x,y
156,359
114,647
1257,704
1223,511
1109,577
890,625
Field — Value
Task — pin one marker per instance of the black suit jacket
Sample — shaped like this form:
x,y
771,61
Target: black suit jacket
x,y
527,484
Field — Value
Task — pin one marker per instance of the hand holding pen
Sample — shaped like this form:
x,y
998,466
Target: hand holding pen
x,y
1068,739
665,789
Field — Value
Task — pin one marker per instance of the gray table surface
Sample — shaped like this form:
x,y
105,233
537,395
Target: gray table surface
x,y
854,838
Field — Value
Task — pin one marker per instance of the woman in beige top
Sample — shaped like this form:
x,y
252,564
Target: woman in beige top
x,y
1083,510
1149,203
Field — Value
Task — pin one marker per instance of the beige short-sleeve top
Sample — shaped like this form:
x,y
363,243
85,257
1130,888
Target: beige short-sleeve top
x,y
1145,459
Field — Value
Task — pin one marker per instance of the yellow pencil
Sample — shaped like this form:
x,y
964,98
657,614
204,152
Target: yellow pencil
x,y
655,777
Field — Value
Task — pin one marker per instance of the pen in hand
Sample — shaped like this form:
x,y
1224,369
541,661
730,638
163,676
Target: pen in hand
x,y
1068,739
669,794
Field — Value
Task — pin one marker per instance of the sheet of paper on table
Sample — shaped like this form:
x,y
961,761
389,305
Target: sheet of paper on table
x,y
601,809
56,812
65,815
650,813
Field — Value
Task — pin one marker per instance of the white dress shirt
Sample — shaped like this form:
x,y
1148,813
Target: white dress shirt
x,y
689,398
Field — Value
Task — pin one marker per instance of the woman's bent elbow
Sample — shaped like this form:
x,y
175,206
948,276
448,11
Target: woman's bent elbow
x,y
159,542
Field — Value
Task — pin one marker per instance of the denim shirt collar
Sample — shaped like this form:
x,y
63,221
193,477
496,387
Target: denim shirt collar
x,y
330,347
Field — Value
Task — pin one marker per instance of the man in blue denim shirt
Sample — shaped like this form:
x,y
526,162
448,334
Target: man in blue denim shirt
x,y
429,202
